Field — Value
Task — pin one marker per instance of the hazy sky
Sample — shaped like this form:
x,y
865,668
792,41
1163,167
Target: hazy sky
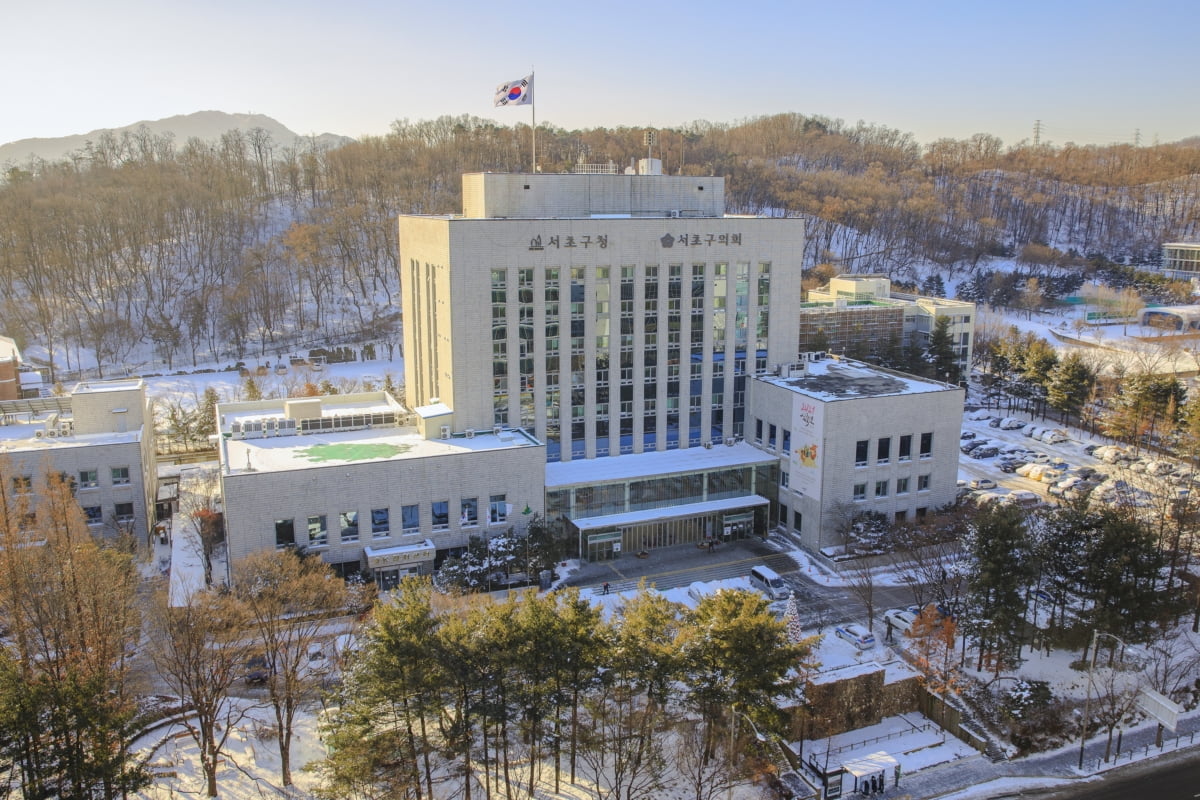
x,y
1092,72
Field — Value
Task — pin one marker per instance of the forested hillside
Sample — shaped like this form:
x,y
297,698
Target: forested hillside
x,y
139,252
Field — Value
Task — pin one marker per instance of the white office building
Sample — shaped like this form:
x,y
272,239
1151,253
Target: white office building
x,y
851,438
613,317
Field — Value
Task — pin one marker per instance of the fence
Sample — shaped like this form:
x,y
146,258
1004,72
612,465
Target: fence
x,y
1140,753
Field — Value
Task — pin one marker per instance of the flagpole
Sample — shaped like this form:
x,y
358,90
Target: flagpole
x,y
533,111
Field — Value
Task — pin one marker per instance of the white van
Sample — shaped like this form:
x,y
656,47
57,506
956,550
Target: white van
x,y
767,581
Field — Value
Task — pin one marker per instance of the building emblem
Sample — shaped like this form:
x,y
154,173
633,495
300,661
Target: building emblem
x,y
668,241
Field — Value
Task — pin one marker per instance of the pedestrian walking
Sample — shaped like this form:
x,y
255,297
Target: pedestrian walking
x,y
605,588
711,544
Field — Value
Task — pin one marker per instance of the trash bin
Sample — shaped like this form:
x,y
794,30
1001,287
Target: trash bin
x,y
545,578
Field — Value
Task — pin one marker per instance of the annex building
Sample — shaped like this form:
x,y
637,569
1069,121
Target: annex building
x,y
367,484
860,316
620,319
851,438
100,438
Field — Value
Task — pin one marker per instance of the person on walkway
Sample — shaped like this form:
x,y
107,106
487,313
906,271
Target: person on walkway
x,y
711,545
889,631
605,588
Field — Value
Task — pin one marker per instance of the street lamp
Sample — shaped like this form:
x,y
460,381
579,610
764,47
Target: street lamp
x,y
733,715
1087,697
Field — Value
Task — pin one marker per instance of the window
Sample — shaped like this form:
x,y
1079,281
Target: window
x,y
922,483
318,531
883,450
348,523
470,512
380,523
926,445
22,484
441,515
921,512
860,491
771,440
120,476
881,488
497,509
758,426
860,453
901,485
93,514
901,516
906,447
410,519
786,446
124,512
783,479
88,479
285,533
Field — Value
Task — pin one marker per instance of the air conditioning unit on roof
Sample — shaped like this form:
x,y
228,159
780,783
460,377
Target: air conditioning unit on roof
x,y
445,431
470,433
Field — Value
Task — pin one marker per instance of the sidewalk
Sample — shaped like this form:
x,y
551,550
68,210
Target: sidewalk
x,y
972,776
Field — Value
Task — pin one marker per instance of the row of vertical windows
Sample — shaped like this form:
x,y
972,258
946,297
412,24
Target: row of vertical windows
x,y
317,525
883,449
882,487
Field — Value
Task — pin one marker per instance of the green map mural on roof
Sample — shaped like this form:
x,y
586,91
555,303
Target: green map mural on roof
x,y
351,451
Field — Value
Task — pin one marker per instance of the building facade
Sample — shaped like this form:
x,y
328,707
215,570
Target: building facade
x,y
607,314
1181,260
854,309
367,485
852,438
100,438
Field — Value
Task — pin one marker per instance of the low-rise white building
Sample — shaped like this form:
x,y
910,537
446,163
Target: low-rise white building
x,y
852,438
100,438
367,484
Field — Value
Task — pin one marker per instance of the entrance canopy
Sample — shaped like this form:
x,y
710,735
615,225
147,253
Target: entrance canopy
x,y
671,512
405,555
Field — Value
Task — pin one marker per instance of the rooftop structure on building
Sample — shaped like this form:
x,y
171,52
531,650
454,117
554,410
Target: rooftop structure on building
x,y
860,316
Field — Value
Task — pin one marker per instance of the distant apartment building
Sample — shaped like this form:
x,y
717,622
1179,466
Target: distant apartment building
x,y
10,359
851,438
860,316
1181,260
100,438
367,485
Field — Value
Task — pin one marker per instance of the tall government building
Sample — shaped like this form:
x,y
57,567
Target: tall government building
x,y
619,319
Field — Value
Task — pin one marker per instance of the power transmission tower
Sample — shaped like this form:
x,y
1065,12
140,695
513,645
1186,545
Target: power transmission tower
x,y
1137,137
1037,132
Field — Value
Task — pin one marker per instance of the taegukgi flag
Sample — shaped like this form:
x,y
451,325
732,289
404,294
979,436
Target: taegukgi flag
x,y
515,93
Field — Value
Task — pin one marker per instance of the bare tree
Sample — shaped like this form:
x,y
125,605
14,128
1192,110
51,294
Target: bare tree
x,y
200,650
289,599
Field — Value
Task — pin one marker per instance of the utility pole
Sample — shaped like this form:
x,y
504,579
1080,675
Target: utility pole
x,y
1137,137
1037,132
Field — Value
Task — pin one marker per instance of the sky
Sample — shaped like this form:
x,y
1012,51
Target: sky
x,y
1093,72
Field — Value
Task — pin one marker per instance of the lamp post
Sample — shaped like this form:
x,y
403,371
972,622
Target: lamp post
x,y
1087,697
733,715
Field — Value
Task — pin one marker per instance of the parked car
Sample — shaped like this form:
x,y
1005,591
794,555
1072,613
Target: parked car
x,y
257,670
899,618
985,452
982,483
994,422
1012,424
968,446
967,435
1009,467
856,635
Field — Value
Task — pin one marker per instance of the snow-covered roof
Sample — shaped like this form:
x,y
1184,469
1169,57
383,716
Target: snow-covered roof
x,y
842,379
673,512
307,451
664,462
433,410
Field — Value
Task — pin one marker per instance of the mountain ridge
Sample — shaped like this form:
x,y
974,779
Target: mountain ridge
x,y
206,125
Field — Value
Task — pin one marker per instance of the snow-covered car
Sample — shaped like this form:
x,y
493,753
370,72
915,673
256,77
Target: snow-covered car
x,y
982,483
856,635
978,415
1012,424
985,452
967,435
